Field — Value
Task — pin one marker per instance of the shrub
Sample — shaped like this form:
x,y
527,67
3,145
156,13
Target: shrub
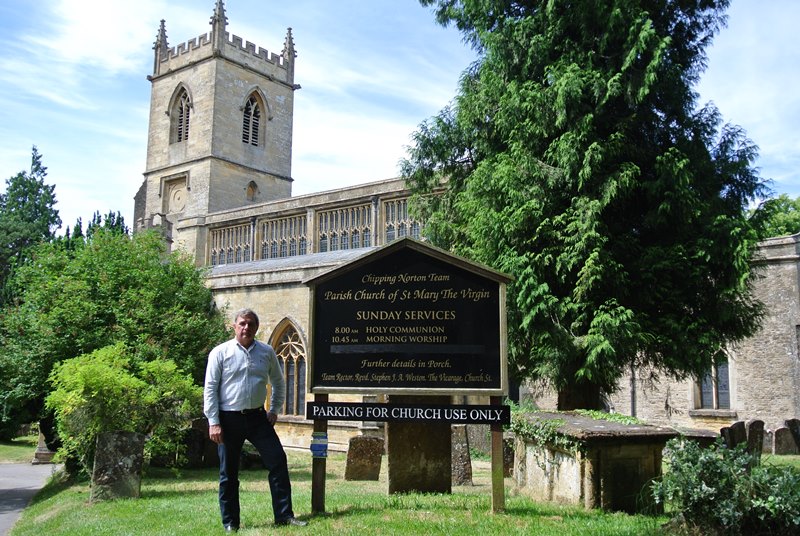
x,y
105,391
718,490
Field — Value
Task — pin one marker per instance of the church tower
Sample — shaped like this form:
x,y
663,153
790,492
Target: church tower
x,y
220,133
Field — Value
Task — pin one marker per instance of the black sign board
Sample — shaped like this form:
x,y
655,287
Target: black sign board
x,y
409,318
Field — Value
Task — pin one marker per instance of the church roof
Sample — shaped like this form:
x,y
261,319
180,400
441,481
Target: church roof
x,y
284,270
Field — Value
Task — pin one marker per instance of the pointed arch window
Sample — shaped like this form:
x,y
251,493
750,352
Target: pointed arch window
x,y
251,121
291,353
251,192
182,114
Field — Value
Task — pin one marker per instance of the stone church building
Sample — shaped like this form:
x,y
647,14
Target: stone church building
x,y
218,182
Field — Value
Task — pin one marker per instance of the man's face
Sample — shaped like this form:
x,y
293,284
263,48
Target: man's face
x,y
245,328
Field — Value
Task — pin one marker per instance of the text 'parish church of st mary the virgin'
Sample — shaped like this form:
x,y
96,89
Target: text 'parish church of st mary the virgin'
x,y
218,183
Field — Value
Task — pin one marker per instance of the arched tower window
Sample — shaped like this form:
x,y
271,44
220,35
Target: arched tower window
x,y
180,114
251,192
251,121
291,350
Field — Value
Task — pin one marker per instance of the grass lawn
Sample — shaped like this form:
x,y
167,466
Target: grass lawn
x,y
793,460
19,450
186,503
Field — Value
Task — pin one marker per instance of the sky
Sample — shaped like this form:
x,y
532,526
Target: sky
x,y
73,83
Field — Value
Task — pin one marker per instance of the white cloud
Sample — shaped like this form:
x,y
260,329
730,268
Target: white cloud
x,y
103,34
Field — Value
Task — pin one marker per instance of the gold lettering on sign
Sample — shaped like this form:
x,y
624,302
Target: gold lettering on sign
x,y
377,315
430,315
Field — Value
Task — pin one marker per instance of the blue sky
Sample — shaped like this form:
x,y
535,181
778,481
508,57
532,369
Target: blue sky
x,y
73,83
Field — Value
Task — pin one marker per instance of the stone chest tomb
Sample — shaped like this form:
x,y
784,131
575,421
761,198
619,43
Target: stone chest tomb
x,y
591,462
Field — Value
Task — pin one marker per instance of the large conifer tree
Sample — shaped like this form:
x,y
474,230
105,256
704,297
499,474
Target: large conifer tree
x,y
27,216
577,159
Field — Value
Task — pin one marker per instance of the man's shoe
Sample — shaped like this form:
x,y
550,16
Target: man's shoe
x,y
231,529
292,521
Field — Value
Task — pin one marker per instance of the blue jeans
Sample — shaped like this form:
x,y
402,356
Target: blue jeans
x,y
253,426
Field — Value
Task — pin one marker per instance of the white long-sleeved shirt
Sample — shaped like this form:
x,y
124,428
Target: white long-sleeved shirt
x,y
236,379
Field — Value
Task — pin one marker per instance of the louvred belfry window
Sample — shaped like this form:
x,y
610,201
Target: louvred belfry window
x,y
184,106
251,121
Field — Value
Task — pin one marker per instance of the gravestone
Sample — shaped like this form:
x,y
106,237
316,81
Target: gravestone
x,y
419,454
794,426
117,472
364,458
461,460
200,450
479,436
784,442
250,459
42,454
508,454
769,441
755,439
735,434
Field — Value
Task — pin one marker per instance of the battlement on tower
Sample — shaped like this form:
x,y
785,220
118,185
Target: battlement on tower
x,y
235,48
185,48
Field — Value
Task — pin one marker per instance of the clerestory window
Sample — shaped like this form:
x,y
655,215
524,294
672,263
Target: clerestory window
x,y
251,121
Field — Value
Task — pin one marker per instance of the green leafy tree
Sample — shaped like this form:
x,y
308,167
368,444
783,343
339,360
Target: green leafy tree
x,y
114,288
112,222
108,391
27,216
779,216
575,158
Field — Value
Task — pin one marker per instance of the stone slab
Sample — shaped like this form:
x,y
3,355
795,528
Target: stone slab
x,y
364,456
735,434
794,427
419,454
591,431
784,442
755,438
508,455
118,460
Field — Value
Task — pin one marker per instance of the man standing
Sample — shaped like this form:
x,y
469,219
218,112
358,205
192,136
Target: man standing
x,y
233,400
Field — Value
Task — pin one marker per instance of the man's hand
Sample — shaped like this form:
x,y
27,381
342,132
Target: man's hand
x,y
215,433
272,418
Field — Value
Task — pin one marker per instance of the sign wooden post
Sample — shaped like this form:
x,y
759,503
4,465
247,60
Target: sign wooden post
x,y
498,483
318,466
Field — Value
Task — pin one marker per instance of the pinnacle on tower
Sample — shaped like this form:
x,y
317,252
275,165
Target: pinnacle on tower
x,y
160,46
289,54
218,23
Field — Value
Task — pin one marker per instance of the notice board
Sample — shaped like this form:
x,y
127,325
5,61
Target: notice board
x,y
409,318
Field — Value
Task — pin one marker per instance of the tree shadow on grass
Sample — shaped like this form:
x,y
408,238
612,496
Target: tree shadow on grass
x,y
180,474
60,481
181,494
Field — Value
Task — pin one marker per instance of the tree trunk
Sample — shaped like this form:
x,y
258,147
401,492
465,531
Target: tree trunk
x,y
580,396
